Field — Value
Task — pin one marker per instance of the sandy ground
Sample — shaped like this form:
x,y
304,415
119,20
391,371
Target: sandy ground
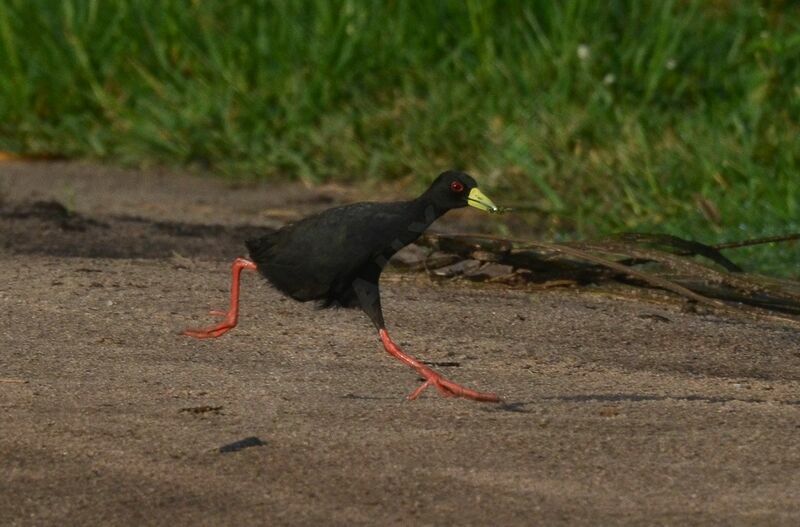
x,y
617,412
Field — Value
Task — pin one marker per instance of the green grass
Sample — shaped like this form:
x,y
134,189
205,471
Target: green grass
x,y
680,117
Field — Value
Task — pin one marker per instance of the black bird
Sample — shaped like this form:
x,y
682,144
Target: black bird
x,y
337,256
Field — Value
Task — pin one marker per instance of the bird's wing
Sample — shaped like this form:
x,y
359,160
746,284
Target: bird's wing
x,y
327,249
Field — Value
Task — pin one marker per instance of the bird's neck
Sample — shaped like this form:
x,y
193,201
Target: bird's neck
x,y
417,216
425,211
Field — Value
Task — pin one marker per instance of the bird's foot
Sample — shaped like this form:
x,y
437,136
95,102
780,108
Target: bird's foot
x,y
447,388
232,315
214,331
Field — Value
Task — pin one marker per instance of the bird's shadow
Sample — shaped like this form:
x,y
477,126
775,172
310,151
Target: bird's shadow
x,y
526,407
358,397
521,406
514,407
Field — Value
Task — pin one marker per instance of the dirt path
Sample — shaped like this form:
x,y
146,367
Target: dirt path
x,y
618,412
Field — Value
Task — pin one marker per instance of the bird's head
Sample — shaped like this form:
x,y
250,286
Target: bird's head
x,y
453,189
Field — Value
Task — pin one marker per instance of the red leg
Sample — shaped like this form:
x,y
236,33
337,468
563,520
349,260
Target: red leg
x,y
232,316
445,387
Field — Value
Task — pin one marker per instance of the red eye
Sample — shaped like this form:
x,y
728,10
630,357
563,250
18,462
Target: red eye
x,y
457,186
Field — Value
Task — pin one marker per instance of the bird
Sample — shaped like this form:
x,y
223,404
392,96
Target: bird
x,y
336,257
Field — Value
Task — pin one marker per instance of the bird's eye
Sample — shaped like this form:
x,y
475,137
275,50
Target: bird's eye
x,y
457,186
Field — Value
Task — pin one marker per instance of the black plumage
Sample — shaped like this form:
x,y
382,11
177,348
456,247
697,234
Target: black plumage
x,y
336,257
319,257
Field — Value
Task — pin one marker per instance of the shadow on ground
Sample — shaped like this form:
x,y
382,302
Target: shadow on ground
x,y
617,412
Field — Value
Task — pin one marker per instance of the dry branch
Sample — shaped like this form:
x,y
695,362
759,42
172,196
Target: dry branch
x,y
644,260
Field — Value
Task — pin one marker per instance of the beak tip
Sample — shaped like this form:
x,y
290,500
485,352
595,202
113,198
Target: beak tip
x,y
479,200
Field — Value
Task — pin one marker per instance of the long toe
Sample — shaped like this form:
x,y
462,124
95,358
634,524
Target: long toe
x,y
209,333
456,390
447,388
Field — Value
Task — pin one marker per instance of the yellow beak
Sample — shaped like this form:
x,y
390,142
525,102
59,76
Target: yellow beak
x,y
479,200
